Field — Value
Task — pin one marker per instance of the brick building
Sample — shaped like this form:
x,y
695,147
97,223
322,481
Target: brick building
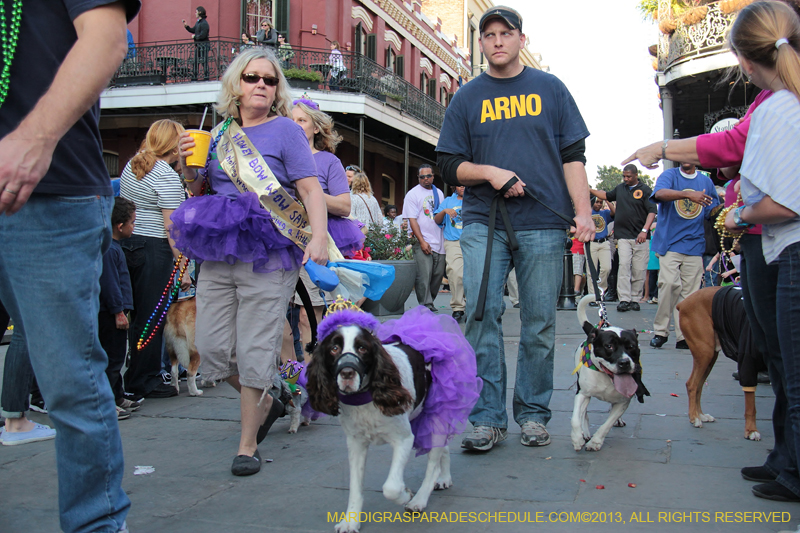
x,y
402,69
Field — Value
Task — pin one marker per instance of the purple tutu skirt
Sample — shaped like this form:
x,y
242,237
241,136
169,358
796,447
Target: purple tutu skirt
x,y
307,411
348,238
218,228
455,383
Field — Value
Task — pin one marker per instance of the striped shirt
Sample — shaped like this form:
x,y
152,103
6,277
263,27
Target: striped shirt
x,y
159,189
771,167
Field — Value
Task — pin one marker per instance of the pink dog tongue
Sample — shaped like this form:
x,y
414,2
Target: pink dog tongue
x,y
625,384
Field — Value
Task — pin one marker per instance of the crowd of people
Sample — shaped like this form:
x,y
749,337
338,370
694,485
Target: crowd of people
x,y
121,255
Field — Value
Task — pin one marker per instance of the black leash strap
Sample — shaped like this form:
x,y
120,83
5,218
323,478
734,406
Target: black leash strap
x,y
512,240
312,316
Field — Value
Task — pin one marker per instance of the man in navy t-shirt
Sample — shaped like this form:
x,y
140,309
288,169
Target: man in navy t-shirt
x,y
685,198
514,122
599,247
56,189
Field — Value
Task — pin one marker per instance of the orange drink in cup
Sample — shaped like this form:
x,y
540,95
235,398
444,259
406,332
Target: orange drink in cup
x,y
202,141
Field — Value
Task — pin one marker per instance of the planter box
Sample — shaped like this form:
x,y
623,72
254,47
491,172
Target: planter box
x,y
144,79
394,299
303,84
397,104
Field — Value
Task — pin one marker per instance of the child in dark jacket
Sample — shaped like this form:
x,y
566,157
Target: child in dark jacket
x,y
116,297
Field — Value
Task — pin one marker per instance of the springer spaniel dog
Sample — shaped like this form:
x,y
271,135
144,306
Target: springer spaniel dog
x,y
386,393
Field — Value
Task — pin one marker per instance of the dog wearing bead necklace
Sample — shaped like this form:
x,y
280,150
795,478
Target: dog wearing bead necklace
x,y
179,341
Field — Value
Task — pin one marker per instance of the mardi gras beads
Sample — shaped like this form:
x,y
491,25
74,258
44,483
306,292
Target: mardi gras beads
x,y
8,43
168,294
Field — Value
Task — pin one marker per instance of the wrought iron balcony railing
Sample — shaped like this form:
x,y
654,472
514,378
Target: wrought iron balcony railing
x,y
696,40
183,62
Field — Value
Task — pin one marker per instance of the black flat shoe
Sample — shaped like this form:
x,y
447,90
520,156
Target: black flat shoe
x,y
244,465
276,411
774,491
757,473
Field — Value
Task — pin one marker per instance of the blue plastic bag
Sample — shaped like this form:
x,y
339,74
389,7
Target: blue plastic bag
x,y
379,276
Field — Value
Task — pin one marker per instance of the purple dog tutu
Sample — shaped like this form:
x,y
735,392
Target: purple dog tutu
x,y
218,228
455,383
346,235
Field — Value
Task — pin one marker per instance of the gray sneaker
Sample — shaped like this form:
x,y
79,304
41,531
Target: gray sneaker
x,y
534,434
483,438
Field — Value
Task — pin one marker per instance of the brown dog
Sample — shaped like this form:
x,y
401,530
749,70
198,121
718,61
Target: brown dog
x,y
702,336
179,339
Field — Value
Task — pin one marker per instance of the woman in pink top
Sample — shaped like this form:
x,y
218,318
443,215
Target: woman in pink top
x,y
725,150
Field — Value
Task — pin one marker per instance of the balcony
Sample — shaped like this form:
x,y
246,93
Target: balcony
x,y
693,41
186,62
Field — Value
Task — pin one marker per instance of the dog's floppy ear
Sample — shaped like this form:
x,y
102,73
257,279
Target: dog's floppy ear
x,y
388,393
321,386
590,330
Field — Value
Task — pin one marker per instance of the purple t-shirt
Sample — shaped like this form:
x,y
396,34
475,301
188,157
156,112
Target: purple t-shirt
x,y
284,147
330,173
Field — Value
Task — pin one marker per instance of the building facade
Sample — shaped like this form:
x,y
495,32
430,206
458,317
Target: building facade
x,y
401,71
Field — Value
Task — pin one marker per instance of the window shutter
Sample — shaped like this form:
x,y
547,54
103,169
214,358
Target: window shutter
x,y
358,35
387,57
372,46
432,89
399,66
282,17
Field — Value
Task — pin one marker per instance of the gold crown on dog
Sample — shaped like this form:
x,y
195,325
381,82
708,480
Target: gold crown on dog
x,y
340,304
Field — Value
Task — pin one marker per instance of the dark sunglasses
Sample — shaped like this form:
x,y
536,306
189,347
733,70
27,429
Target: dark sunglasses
x,y
253,78
424,176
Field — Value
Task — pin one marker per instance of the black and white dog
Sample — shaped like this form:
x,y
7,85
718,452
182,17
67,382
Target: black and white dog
x,y
609,370
379,389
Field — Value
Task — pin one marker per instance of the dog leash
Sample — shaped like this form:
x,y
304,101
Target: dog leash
x,y
499,198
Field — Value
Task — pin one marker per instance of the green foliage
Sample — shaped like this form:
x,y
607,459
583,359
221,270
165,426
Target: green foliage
x,y
609,177
649,9
300,74
389,242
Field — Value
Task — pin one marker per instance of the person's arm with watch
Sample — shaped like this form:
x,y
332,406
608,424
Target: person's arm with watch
x,y
765,211
643,234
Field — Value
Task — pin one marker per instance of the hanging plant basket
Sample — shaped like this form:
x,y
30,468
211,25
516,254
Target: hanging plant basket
x,y
668,26
694,15
732,6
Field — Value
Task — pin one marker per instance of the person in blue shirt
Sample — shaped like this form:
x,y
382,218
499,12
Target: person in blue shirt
x,y
449,214
131,46
600,247
685,198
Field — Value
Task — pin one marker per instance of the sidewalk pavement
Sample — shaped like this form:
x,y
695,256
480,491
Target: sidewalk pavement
x,y
686,479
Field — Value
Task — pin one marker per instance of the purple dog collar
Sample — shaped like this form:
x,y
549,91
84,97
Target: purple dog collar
x,y
357,399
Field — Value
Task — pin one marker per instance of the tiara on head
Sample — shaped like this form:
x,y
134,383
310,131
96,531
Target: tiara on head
x,y
345,313
306,100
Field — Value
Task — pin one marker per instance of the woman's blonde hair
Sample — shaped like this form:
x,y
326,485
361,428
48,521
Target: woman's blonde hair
x,y
326,139
161,139
361,184
231,91
756,36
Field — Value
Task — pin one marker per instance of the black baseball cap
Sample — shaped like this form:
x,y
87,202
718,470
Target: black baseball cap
x,y
510,16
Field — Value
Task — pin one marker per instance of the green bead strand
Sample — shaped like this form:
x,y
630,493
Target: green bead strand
x,y
8,43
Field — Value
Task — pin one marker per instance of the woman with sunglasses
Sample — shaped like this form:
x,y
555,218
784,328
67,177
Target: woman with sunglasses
x,y
250,267
323,140
267,36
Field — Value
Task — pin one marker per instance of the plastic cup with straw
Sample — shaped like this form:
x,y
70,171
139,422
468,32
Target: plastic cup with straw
x,y
202,142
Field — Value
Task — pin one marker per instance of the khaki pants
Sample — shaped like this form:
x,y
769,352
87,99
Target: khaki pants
x,y
632,266
513,288
679,276
240,317
601,255
455,274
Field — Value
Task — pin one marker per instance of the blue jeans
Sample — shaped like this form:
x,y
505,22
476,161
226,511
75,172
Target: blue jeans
x,y
788,306
538,263
760,287
51,255
710,279
17,376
